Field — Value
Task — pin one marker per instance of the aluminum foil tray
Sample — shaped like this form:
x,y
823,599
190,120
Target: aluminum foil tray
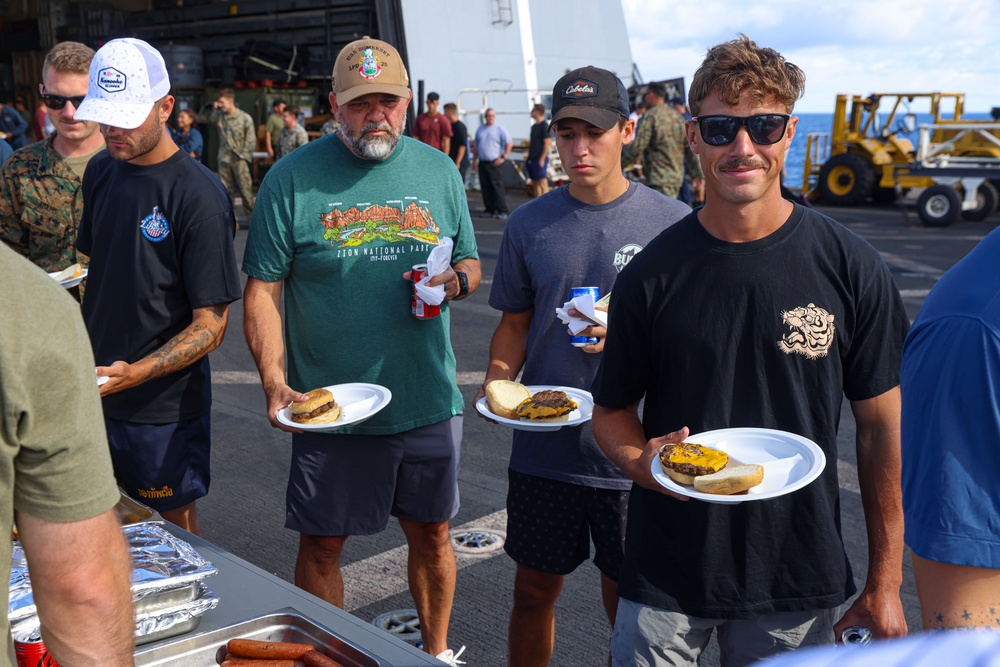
x,y
170,621
286,625
161,564
132,511
161,623
161,561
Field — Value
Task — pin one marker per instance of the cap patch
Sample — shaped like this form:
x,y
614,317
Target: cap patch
x,y
581,88
111,80
371,66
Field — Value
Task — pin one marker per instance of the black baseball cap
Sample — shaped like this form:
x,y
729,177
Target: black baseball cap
x,y
591,94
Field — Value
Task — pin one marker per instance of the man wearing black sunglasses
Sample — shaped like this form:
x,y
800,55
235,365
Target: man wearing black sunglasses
x,y
40,200
751,312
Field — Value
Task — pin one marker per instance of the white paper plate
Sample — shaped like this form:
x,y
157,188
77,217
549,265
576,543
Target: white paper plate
x,y
71,282
583,412
790,462
358,401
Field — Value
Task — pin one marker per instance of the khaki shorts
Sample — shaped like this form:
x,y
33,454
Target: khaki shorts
x,y
649,637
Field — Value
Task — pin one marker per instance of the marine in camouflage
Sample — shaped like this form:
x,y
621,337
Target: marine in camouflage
x,y
40,206
666,155
290,140
237,139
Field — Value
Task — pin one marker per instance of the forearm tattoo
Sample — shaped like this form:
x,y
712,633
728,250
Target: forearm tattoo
x,y
189,345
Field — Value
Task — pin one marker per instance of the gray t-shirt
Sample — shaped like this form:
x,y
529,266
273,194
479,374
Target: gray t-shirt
x,y
550,245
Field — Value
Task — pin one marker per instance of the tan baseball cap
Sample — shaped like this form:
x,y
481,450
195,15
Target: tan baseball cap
x,y
368,66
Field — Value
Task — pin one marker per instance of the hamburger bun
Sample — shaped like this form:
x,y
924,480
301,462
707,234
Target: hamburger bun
x,y
503,397
730,480
70,272
320,408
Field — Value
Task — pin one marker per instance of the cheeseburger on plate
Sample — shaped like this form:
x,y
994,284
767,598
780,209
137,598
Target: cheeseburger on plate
x,y
708,470
321,408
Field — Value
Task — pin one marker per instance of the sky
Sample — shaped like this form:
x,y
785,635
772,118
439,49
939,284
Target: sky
x,y
843,46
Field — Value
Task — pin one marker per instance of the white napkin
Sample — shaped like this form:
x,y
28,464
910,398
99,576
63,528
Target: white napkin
x,y
437,262
584,304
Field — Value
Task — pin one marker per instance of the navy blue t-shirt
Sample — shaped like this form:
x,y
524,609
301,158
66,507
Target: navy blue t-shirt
x,y
160,241
550,245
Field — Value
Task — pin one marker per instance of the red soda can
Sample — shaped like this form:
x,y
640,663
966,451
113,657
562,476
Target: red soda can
x,y
419,309
30,650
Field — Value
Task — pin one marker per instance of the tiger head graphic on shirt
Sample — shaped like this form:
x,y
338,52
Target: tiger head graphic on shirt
x,y
811,331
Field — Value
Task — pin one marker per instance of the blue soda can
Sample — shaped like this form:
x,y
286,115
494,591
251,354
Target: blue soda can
x,y
856,636
580,341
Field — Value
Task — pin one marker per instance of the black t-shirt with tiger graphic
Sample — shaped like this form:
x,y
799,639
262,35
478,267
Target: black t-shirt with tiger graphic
x,y
771,333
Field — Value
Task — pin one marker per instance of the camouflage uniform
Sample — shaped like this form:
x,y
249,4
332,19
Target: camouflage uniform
x,y
290,140
666,154
40,206
329,127
237,139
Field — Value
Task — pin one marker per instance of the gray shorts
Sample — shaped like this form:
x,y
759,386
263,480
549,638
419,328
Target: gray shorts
x,y
351,484
649,637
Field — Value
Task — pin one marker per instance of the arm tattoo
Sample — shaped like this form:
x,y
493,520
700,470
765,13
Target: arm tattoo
x,y
189,345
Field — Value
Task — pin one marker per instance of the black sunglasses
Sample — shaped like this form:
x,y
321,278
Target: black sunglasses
x,y
764,128
57,102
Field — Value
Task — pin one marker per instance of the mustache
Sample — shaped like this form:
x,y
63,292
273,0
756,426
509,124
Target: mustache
x,y
742,163
369,127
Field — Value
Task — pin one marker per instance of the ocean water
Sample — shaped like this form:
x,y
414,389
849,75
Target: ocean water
x,y
823,122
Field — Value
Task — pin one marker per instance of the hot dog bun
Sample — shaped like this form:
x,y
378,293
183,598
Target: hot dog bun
x,y
321,408
503,397
734,479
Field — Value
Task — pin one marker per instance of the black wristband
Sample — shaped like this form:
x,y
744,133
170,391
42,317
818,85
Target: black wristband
x,y
463,284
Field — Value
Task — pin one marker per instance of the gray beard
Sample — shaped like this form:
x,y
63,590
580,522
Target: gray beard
x,y
373,148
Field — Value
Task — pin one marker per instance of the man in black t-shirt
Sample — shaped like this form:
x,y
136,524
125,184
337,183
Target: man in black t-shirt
x,y
537,163
158,227
751,312
459,147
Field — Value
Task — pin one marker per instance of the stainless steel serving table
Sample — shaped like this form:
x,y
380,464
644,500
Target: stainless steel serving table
x,y
246,592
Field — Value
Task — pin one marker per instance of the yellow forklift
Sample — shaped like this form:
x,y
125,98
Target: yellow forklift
x,y
956,164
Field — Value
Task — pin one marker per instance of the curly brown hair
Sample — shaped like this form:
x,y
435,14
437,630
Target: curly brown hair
x,y
69,57
738,67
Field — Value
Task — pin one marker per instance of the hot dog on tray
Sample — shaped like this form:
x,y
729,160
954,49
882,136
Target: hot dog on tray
x,y
254,653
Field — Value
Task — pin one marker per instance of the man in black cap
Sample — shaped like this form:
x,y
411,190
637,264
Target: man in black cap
x,y
433,128
563,491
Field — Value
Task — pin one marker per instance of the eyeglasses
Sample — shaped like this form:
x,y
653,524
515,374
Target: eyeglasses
x,y
764,128
57,102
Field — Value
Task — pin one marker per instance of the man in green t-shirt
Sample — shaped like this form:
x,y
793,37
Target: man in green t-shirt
x,y
337,227
55,472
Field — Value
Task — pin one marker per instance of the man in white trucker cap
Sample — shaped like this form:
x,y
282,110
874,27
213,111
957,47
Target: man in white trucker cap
x,y
158,227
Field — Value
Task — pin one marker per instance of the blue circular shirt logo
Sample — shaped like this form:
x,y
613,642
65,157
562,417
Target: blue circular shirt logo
x,y
155,226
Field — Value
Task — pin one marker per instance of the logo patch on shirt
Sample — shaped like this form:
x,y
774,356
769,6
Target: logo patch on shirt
x,y
625,254
155,226
371,66
812,331
111,80
580,89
